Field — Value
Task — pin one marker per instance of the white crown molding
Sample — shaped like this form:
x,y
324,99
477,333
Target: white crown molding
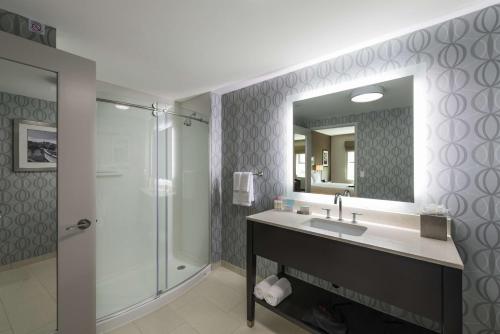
x,y
458,13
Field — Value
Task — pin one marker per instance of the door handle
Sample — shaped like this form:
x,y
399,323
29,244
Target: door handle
x,y
82,224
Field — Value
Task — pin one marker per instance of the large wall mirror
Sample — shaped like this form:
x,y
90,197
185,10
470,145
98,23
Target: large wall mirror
x,y
358,142
28,199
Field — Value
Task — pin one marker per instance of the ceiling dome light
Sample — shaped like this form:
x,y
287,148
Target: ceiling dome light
x,y
367,94
121,106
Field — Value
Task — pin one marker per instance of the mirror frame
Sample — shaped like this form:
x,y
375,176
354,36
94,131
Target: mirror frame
x,y
420,132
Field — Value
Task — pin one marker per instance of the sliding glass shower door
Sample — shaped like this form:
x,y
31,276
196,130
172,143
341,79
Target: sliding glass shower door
x,y
184,198
152,204
126,207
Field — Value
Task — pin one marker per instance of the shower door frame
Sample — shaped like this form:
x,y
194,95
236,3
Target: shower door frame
x,y
76,107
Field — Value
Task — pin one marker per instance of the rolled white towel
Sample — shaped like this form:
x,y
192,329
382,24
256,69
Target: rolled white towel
x,y
261,288
278,292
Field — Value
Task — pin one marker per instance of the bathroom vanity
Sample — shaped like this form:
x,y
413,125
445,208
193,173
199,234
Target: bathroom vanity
x,y
389,263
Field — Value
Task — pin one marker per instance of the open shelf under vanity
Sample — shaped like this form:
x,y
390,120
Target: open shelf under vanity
x,y
359,319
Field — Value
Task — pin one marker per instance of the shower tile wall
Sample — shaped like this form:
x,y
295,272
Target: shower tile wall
x,y
18,25
28,226
462,57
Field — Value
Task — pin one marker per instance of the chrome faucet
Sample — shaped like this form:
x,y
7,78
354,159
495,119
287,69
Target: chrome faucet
x,y
338,198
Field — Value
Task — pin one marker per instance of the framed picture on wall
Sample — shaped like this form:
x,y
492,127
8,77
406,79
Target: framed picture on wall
x,y
35,146
325,158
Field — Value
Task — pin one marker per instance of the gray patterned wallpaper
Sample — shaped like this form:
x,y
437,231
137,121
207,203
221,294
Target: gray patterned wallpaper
x,y
18,25
28,226
384,151
462,57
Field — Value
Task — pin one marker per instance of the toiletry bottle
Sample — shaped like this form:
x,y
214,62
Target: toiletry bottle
x,y
280,203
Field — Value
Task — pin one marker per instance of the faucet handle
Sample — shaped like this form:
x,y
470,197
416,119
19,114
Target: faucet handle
x,y
354,214
327,212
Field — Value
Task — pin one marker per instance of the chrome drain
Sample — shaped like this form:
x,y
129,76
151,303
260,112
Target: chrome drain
x,y
181,267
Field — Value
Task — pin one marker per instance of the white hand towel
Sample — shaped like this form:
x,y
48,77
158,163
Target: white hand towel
x,y
245,181
261,289
246,189
278,292
236,187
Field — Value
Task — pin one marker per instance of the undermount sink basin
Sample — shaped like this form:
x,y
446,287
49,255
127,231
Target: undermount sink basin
x,y
336,226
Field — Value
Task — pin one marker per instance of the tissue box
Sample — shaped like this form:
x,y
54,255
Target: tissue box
x,y
434,226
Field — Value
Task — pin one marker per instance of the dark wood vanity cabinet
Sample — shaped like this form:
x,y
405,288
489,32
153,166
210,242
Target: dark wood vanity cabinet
x,y
420,287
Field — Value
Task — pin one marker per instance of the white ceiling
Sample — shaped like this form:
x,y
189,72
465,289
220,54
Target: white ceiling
x,y
175,49
397,93
19,79
109,91
345,130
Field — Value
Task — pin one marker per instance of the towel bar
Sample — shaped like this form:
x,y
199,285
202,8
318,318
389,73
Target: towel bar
x,y
259,173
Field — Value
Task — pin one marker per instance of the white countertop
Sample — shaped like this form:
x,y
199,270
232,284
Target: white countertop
x,y
387,238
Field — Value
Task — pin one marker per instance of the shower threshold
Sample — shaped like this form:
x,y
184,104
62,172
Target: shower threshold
x,y
152,304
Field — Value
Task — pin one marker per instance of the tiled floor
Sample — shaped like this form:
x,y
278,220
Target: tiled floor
x,y
28,298
215,306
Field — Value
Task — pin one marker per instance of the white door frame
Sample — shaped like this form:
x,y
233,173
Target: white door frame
x,y
308,151
76,108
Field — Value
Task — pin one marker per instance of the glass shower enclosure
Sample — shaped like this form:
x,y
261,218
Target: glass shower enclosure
x,y
152,204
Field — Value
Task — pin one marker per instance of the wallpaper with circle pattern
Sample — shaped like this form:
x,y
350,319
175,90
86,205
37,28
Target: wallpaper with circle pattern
x,y
18,25
462,59
28,226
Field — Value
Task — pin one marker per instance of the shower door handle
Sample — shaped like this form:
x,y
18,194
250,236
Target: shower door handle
x,y
83,224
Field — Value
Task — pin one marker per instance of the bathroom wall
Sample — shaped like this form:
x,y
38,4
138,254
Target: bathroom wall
x,y
463,77
28,226
384,152
18,25
319,143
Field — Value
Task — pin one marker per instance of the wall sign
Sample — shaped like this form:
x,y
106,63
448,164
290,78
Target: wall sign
x,y
36,27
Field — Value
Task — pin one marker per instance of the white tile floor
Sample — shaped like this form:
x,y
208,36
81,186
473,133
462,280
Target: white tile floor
x,y
215,306
28,298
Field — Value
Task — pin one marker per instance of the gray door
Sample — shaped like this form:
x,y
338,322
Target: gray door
x,y
47,190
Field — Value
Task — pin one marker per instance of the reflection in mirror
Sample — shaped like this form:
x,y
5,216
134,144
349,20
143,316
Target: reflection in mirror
x,y
357,142
28,198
